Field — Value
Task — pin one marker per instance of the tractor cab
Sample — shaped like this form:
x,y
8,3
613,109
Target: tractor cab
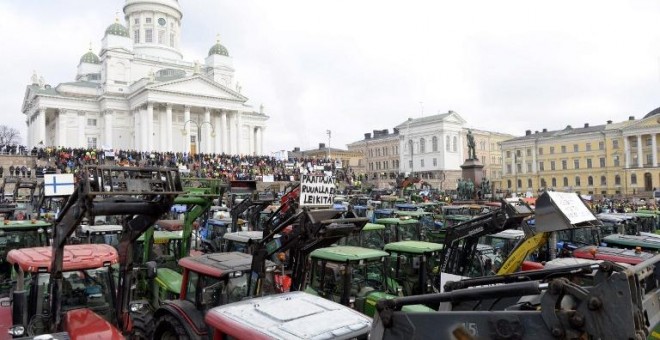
x,y
99,234
425,218
87,298
413,262
241,241
351,276
17,235
402,229
209,280
503,242
294,315
214,231
371,236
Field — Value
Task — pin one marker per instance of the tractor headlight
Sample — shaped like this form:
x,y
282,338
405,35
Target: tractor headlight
x,y
17,330
136,307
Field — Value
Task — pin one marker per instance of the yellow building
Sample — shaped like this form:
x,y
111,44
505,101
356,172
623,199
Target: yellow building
x,y
380,157
614,159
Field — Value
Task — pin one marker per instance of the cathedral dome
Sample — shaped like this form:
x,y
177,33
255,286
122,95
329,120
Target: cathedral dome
x,y
653,113
90,57
117,29
218,49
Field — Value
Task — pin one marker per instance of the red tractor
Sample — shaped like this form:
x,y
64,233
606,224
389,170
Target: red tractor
x,y
87,299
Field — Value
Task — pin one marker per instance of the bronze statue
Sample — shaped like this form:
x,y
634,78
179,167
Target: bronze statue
x,y
472,153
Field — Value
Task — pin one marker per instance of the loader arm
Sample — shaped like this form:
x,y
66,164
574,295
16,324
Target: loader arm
x,y
521,251
141,195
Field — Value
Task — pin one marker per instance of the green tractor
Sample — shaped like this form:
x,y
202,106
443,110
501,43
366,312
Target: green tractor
x,y
18,235
371,236
402,229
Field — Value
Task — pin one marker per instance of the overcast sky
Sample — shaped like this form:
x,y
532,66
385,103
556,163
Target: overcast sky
x,y
355,66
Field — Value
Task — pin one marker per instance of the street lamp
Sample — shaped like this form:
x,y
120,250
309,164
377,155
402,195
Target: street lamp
x,y
410,145
199,130
329,135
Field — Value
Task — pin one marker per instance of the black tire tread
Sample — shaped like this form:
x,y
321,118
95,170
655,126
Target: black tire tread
x,y
170,322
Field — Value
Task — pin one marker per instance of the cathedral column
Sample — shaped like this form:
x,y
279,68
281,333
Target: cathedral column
x,y
150,126
640,155
257,147
137,139
231,125
62,128
168,127
41,126
626,150
81,129
239,126
251,143
654,149
186,133
217,140
107,125
162,129
206,130
224,132
144,133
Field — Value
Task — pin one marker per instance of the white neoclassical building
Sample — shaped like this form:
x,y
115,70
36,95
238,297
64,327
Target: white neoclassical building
x,y
139,93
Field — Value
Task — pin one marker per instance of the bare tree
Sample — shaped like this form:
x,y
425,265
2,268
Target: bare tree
x,y
9,135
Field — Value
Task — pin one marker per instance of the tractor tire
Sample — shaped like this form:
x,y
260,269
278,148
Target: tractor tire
x,y
169,328
143,325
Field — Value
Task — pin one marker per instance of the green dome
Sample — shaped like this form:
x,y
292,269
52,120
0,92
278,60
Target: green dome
x,y
117,29
90,57
218,49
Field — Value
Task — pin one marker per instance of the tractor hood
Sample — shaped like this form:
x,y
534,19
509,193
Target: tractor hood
x,y
83,324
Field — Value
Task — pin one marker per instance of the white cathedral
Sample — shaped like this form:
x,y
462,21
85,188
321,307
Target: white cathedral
x,y
140,94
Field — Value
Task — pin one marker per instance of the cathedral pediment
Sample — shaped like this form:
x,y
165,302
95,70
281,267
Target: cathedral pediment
x,y
645,123
198,86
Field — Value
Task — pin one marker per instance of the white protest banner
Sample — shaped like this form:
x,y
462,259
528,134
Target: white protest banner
x,y
317,191
571,205
268,178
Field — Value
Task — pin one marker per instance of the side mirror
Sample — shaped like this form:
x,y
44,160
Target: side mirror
x,y
152,269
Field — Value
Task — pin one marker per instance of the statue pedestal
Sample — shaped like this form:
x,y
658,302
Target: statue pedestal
x,y
472,170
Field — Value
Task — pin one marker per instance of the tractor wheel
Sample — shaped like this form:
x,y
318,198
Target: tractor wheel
x,y
143,325
169,328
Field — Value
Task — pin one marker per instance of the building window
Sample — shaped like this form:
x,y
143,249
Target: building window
x,y
422,145
519,182
564,164
588,146
435,162
91,122
554,182
518,153
148,35
552,165
453,145
588,163
136,21
172,39
508,154
136,36
447,143
565,181
617,180
633,179
649,159
148,20
649,141
590,181
541,168
616,160
576,148
519,168
603,180
508,169
421,163
508,184
540,151
563,149
615,144
410,147
543,183
602,162
161,36
529,183
529,152
434,143
552,150
410,164
577,181
91,142
601,145
529,167
576,163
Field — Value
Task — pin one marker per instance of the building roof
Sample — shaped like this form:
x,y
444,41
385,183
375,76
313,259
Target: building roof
x,y
568,130
425,120
653,113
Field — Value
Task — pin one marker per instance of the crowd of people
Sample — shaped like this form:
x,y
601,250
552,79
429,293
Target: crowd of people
x,y
230,167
